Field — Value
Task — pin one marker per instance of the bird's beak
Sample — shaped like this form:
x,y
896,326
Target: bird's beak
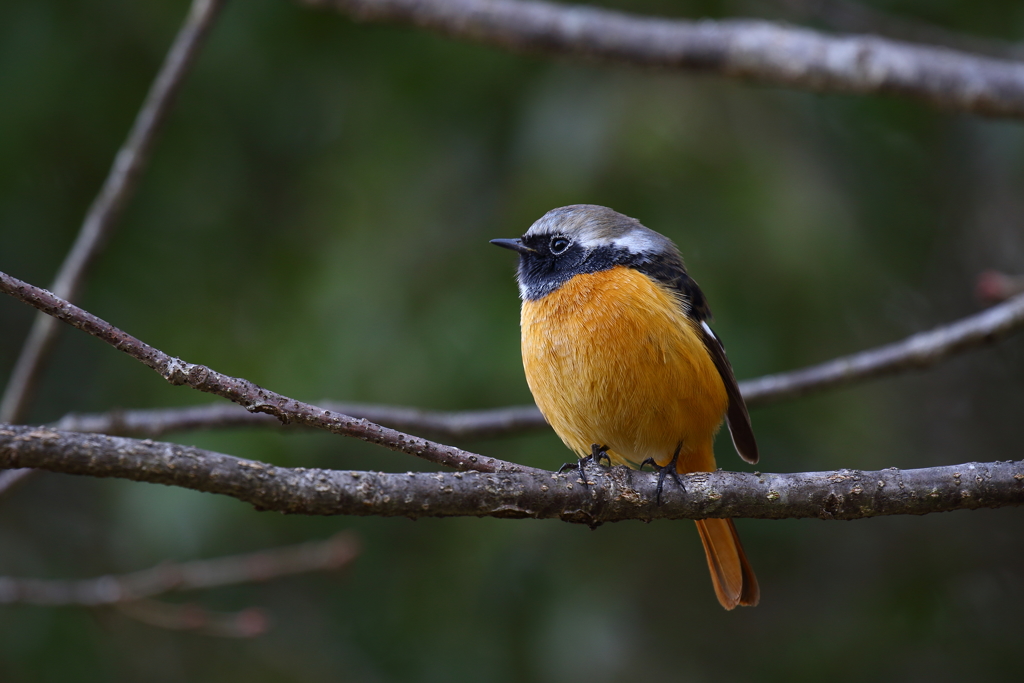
x,y
514,245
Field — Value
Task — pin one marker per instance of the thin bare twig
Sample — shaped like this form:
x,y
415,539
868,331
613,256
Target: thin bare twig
x,y
117,189
466,424
612,494
265,565
759,51
917,351
253,397
913,353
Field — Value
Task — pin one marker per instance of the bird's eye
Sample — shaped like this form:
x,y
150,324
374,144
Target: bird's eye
x,y
559,244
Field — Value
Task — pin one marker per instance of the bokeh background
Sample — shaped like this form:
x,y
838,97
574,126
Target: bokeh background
x,y
315,219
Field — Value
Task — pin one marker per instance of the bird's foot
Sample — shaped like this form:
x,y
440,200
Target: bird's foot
x,y
597,454
665,471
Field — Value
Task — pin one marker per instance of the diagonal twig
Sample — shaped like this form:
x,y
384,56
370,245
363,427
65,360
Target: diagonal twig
x,y
917,351
754,50
102,216
253,397
612,494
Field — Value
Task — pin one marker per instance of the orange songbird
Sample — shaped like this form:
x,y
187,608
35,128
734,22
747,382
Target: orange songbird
x,y
622,363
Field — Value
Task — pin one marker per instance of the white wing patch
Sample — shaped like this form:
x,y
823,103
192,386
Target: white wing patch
x,y
637,242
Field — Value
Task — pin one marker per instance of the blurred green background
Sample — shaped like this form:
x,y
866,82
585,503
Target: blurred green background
x,y
315,219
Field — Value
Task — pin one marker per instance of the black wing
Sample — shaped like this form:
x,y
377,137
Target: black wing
x,y
737,416
668,269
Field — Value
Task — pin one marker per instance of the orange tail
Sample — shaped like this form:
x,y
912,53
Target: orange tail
x,y
735,583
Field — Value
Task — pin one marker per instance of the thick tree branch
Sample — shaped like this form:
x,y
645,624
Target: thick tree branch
x,y
611,494
117,189
913,353
265,565
253,397
759,51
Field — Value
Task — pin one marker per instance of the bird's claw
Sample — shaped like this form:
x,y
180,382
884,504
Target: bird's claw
x,y
666,470
597,454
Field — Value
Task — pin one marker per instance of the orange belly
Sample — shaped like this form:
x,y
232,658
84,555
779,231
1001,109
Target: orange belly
x,y
612,359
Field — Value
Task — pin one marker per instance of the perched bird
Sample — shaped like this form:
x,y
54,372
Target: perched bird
x,y
622,363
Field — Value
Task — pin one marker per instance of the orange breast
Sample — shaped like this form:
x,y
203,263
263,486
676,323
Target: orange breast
x,y
611,359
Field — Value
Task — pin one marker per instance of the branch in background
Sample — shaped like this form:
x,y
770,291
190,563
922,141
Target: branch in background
x,y
917,351
467,424
612,494
265,565
855,17
117,189
759,51
130,594
913,353
254,398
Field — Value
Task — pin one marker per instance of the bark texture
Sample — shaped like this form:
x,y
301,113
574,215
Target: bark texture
x,y
610,495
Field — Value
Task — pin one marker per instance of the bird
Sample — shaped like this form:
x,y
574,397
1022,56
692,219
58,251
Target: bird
x,y
623,365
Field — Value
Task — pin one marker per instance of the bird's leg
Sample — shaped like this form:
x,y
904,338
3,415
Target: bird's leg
x,y
665,470
597,453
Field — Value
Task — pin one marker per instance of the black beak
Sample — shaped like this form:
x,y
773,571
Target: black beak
x,y
514,245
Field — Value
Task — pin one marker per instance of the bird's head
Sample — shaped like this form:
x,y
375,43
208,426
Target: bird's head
x,y
583,238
